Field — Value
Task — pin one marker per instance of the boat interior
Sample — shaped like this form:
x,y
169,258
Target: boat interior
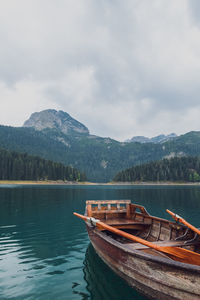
x,y
134,219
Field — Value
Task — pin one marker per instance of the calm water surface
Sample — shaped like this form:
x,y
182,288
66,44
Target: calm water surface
x,y
45,252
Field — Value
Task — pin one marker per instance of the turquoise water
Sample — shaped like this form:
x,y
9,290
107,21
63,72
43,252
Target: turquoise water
x,y
45,252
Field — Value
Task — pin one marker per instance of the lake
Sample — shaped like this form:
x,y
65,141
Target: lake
x,y
45,251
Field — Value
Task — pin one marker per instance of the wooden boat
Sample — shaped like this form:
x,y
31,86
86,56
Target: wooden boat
x,y
152,272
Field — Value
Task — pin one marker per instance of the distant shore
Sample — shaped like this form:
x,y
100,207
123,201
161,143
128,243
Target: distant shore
x,y
42,182
60,182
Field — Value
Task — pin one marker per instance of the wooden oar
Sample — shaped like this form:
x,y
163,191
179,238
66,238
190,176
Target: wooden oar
x,y
177,218
179,254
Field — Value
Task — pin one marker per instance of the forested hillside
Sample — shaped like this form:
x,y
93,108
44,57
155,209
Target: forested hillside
x,y
99,158
17,166
185,169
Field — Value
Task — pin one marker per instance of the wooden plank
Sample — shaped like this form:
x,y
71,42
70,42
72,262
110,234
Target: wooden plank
x,y
112,211
128,211
153,277
137,246
136,226
89,211
107,201
123,221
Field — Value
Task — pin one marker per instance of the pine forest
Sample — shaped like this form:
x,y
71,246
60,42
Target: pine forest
x,y
21,166
186,169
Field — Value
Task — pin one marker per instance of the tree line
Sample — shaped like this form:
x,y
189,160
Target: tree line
x,y
186,169
21,166
99,158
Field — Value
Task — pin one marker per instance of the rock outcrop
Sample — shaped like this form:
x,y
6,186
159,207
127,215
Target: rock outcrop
x,y
53,119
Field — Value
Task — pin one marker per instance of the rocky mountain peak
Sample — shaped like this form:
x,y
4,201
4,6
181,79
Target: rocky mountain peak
x,y
54,119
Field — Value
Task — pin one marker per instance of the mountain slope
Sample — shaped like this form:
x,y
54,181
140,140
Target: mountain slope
x,y
99,158
186,169
31,141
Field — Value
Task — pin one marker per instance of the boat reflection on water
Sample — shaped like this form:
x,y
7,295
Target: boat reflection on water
x,y
103,283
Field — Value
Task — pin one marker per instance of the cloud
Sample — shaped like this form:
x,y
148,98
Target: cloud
x,y
20,100
122,68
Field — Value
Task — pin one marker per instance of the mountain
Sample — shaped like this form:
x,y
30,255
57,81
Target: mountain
x,y
156,140
99,158
59,120
138,139
185,169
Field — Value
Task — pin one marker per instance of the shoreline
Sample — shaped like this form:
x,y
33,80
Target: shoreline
x,y
60,182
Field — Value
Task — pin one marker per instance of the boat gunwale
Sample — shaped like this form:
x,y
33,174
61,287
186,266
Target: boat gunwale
x,y
146,215
146,256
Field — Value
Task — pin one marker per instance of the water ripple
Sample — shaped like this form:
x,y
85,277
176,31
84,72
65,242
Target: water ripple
x,y
8,226
57,272
43,246
56,261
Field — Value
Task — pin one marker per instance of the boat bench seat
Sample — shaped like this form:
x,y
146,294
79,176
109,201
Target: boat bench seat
x,y
126,224
123,222
169,243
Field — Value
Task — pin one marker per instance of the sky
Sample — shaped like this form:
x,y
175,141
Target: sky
x,y
122,68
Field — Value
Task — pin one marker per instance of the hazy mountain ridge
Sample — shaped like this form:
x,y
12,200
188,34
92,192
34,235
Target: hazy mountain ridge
x,y
162,138
99,158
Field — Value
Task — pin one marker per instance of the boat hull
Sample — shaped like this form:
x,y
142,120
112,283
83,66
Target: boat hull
x,y
156,277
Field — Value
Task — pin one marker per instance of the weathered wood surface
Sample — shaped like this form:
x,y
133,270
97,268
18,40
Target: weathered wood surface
x,y
157,277
152,273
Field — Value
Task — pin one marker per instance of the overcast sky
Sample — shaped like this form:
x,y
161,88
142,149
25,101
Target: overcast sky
x,y
123,68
